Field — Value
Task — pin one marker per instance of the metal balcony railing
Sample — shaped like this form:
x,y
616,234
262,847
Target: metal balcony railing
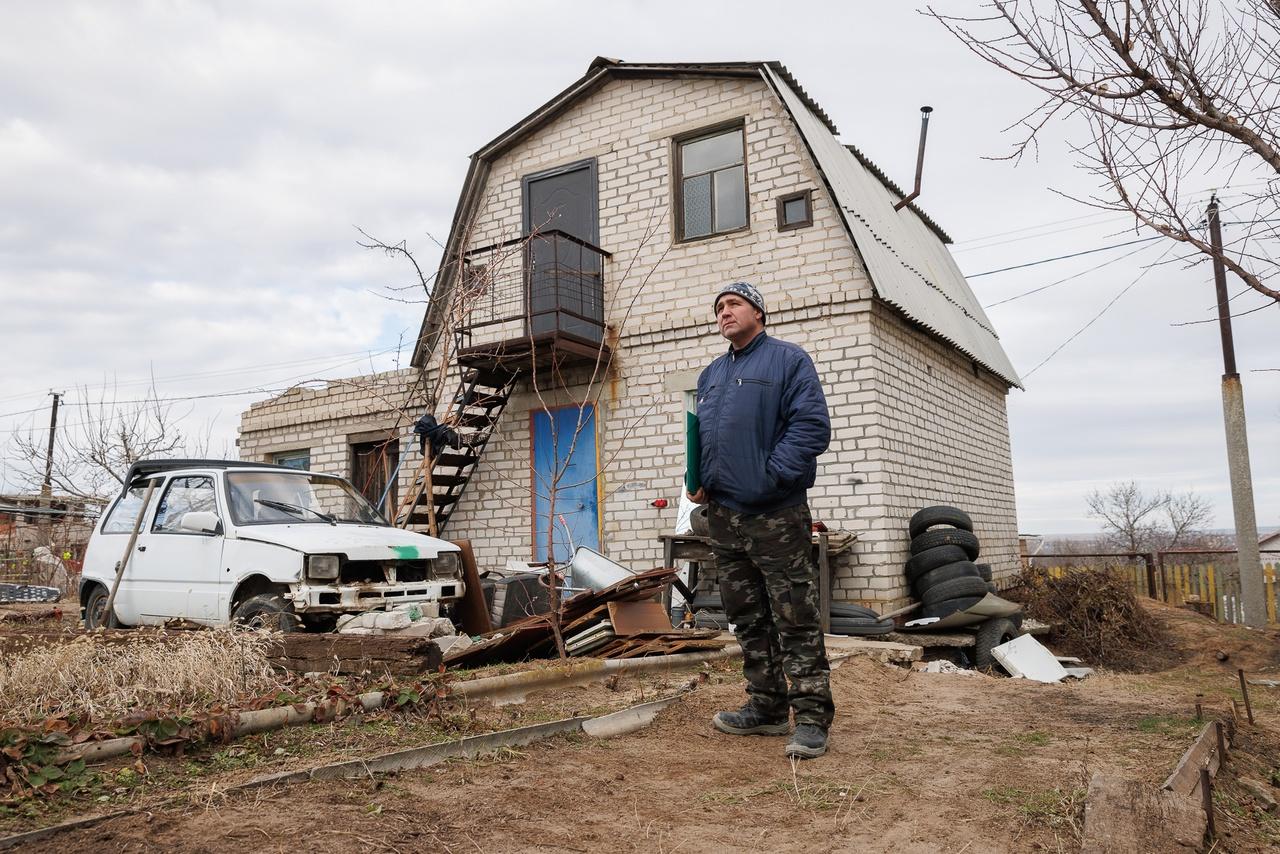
x,y
545,286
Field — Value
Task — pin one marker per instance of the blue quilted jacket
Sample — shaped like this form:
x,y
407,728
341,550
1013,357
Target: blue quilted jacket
x,y
762,422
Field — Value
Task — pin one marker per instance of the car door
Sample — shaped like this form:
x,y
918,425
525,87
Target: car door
x,y
177,572
107,549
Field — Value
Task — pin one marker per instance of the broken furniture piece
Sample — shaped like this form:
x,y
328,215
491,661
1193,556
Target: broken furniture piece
x,y
632,629
697,550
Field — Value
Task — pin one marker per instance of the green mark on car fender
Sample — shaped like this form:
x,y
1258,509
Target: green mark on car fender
x,y
405,552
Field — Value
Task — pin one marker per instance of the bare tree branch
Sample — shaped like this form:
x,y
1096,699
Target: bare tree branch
x,y
1168,90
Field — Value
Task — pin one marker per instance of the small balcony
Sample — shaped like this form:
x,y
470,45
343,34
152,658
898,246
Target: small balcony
x,y
533,301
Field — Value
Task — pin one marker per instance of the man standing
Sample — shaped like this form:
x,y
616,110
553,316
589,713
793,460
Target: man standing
x,y
762,422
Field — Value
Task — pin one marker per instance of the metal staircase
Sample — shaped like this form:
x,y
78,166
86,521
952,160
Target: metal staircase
x,y
483,393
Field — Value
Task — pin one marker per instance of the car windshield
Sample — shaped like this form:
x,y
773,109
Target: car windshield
x,y
275,497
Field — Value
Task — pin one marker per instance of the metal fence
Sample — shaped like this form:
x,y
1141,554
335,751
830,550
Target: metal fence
x,y
1209,578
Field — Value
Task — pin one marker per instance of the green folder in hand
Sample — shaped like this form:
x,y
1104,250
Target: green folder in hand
x,y
693,452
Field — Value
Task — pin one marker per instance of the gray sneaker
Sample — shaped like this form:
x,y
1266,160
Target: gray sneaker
x,y
809,741
748,721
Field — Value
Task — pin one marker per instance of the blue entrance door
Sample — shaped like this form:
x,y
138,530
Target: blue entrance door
x,y
570,464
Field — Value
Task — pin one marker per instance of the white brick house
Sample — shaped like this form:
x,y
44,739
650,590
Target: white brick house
x,y
686,177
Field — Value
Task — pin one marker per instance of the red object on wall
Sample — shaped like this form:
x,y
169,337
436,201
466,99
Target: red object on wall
x,y
660,503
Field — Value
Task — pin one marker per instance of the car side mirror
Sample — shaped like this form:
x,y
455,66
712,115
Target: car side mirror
x,y
201,522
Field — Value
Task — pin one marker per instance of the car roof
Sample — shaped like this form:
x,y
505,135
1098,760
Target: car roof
x,y
144,469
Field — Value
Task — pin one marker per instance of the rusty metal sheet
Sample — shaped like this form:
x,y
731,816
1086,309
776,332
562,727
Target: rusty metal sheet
x,y
633,618
909,266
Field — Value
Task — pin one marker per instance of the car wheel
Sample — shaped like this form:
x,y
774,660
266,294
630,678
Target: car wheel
x,y
934,577
990,635
939,515
95,610
932,559
946,537
266,611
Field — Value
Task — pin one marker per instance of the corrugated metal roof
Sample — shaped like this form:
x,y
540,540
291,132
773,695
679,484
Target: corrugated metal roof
x,y
910,267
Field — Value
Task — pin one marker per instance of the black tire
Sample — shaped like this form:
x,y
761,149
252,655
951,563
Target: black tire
x,y
266,611
865,628
956,588
984,569
934,577
946,537
939,515
991,588
948,607
932,559
990,635
842,610
94,608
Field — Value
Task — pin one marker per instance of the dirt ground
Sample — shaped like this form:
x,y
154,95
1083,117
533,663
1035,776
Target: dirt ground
x,y
918,762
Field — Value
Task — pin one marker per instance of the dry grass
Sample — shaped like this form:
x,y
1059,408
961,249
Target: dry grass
x,y
89,678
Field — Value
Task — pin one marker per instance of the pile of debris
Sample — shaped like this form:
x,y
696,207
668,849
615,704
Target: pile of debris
x,y
1094,614
623,620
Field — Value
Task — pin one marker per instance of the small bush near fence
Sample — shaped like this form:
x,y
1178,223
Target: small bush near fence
x,y
1095,616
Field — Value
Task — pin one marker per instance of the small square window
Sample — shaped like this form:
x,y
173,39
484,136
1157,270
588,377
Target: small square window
x,y
795,210
293,459
711,191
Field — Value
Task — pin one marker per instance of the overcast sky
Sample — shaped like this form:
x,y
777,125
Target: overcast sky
x,y
180,184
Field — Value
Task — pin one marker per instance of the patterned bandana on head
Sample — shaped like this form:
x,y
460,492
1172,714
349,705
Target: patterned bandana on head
x,y
748,292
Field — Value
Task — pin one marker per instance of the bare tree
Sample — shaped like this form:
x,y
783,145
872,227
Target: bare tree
x,y
98,441
1129,516
1172,93
1137,521
1186,515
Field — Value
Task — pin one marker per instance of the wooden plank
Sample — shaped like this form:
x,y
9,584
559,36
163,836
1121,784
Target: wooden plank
x,y
1128,817
839,647
400,656
1203,752
633,618
473,616
947,639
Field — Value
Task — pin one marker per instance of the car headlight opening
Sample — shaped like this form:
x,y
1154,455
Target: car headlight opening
x,y
447,565
322,566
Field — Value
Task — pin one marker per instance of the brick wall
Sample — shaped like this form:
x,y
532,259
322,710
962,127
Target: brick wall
x,y
325,422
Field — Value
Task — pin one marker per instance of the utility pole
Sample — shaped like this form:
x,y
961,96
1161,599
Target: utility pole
x,y
46,488
1249,564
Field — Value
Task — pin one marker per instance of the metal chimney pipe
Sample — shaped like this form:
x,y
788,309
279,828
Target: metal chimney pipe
x,y
924,134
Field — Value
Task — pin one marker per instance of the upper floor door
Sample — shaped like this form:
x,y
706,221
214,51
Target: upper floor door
x,y
564,278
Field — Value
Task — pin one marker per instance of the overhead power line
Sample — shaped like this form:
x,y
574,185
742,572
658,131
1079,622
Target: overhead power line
x,y
1067,279
1099,315
266,388
206,374
1065,257
1101,249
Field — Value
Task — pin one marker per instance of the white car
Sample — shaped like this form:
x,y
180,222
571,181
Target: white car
x,y
225,542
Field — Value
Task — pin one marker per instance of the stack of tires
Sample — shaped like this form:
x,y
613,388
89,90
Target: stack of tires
x,y
941,570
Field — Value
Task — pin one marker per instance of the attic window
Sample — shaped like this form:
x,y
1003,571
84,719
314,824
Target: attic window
x,y
711,196
795,210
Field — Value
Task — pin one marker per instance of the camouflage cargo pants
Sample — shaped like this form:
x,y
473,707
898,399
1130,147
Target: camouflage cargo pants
x,y
769,584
